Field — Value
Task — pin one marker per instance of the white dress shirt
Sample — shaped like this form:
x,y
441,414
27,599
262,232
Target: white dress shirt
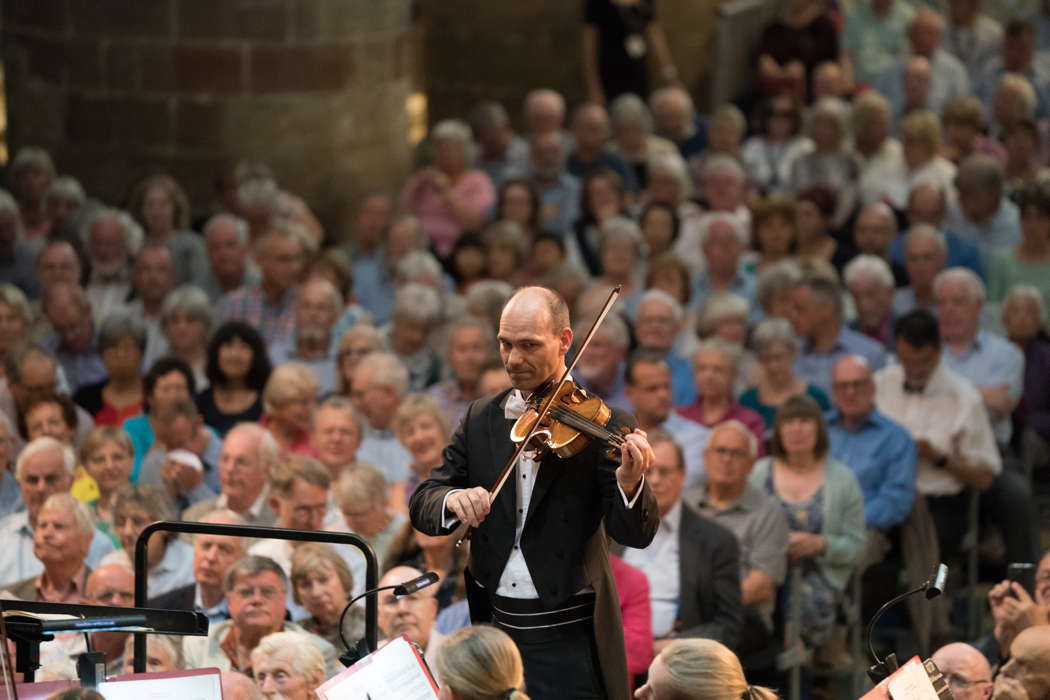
x,y
949,414
659,562
516,580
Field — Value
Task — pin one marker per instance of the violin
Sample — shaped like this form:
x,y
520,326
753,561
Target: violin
x,y
574,419
561,418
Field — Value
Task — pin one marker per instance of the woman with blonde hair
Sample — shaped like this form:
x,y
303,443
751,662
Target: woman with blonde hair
x,y
699,669
288,404
480,663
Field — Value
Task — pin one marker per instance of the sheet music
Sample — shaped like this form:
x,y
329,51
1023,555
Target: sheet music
x,y
194,684
911,682
396,671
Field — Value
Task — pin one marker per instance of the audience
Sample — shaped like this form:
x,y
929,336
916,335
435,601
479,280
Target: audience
x,y
967,671
287,665
480,661
238,369
62,534
322,583
248,453
410,615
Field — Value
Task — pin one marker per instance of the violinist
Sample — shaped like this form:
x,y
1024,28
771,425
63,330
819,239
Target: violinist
x,y
538,565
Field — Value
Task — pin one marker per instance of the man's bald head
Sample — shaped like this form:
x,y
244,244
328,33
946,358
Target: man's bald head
x,y
536,301
111,584
968,668
237,686
1029,662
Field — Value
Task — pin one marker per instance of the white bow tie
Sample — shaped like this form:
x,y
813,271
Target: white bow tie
x,y
515,406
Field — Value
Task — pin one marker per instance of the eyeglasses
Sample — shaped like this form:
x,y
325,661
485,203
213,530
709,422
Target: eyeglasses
x,y
727,452
959,682
267,592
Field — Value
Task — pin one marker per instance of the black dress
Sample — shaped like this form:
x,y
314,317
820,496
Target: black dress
x,y
223,422
622,44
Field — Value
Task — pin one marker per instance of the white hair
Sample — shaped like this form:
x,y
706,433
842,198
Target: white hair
x,y
964,275
64,502
417,266
731,114
672,92
718,307
928,232
773,331
192,301
385,370
9,204
307,659
739,228
613,327
1026,291
833,108
41,445
628,108
268,448
621,229
66,187
866,266
258,191
673,165
722,163
734,424
458,131
417,303
239,225
133,236
659,295
729,350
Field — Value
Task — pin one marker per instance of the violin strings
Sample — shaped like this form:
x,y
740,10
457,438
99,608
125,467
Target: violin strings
x,y
575,420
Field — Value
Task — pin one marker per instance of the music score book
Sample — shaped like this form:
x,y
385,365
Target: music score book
x,y
395,671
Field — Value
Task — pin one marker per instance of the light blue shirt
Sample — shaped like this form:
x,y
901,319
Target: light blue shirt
x,y
216,614
372,285
1037,74
381,449
10,495
324,368
990,360
1003,230
692,438
815,367
17,561
743,285
949,80
174,570
682,386
560,204
882,456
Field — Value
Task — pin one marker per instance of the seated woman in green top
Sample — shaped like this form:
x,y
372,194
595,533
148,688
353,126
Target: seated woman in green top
x,y
776,346
1029,261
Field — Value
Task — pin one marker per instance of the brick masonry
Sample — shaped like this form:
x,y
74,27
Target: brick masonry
x,y
119,89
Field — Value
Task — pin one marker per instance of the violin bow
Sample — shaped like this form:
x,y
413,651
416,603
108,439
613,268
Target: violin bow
x,y
545,408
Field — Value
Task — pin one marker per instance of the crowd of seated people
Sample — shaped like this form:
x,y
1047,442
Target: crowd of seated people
x,y
833,326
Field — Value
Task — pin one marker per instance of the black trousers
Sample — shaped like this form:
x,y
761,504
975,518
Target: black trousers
x,y
560,661
1007,504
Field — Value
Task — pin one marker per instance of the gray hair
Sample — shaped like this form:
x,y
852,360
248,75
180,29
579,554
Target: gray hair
x,y
418,265
749,435
659,295
675,166
16,299
1026,291
718,307
190,300
417,303
928,232
385,370
833,108
120,324
65,502
289,380
455,130
870,267
773,331
1020,85
824,288
722,163
366,331
776,280
489,297
731,114
964,275
17,356
258,191
675,93
152,499
614,328
621,229
307,659
239,225
269,450
361,483
28,156
468,321
628,108
253,565
66,187
980,173
133,235
38,447
743,237
729,350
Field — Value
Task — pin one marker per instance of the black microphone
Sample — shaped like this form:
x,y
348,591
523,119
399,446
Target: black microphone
x,y
405,588
932,587
409,587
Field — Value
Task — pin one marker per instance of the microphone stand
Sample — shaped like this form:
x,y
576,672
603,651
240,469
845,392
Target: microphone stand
x,y
355,653
882,668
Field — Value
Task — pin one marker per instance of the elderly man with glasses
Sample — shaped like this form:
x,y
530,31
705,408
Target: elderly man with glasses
x,y
966,670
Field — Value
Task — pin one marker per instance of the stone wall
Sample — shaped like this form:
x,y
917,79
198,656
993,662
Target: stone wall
x,y
118,89
479,48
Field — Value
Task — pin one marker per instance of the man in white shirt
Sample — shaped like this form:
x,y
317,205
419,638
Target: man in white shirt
x,y
248,452
380,383
946,417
